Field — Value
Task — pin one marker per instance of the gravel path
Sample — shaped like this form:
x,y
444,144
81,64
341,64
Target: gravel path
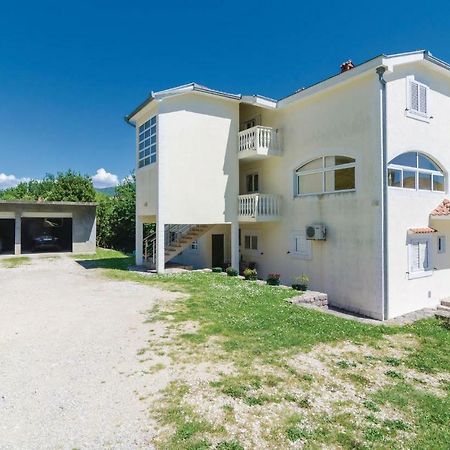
x,y
70,376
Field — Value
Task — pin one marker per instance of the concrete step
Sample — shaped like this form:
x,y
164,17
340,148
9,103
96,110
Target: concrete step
x,y
444,308
445,302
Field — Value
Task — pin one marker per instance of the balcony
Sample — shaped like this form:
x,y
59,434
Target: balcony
x,y
259,208
259,142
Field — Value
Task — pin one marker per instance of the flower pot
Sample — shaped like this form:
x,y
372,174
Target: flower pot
x,y
300,287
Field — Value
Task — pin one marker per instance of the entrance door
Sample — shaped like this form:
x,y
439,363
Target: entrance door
x,y
217,257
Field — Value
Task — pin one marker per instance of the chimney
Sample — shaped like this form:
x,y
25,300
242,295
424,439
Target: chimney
x,y
347,65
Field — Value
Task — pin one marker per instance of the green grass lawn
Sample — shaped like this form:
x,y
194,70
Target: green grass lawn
x,y
325,381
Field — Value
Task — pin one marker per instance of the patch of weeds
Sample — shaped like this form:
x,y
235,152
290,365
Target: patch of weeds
x,y
157,367
194,338
15,261
229,445
257,400
303,402
237,386
445,384
395,362
396,424
372,434
371,406
343,364
307,377
394,374
297,433
428,414
371,418
272,380
141,351
358,379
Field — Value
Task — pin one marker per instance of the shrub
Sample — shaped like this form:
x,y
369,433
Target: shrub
x,y
217,269
231,272
273,279
250,274
301,283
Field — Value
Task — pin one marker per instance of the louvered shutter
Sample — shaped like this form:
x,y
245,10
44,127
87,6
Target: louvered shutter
x,y
414,96
423,97
414,257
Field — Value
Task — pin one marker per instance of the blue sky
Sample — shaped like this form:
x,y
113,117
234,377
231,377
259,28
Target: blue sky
x,y
70,71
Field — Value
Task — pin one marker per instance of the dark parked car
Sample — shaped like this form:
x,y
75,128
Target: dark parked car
x,y
45,242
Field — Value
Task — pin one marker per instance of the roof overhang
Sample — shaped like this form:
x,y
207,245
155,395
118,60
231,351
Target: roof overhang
x,y
423,230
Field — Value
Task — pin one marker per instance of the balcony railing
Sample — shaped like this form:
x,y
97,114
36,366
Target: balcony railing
x,y
259,207
258,142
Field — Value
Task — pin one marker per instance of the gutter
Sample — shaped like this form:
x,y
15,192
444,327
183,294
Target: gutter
x,y
380,72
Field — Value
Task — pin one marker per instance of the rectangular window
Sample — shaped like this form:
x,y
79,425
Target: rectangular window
x,y
395,177
310,184
251,242
409,179
425,181
442,244
417,98
147,142
419,258
438,183
252,181
194,245
300,247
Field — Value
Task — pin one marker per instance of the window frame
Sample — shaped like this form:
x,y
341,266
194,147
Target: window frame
x,y
441,245
251,235
323,171
428,271
294,251
152,147
194,246
417,113
252,175
417,171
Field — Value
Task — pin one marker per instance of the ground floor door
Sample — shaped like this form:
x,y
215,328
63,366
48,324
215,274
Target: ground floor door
x,y
7,236
217,256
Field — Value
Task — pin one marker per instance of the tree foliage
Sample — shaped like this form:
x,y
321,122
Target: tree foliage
x,y
67,186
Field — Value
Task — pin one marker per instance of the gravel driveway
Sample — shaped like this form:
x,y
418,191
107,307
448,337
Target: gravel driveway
x,y
70,377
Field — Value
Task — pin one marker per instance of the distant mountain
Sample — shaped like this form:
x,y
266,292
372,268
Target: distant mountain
x,y
109,191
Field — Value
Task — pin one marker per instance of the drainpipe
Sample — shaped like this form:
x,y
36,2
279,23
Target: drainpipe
x,y
381,71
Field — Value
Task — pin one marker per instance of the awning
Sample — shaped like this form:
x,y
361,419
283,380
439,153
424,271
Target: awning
x,y
424,230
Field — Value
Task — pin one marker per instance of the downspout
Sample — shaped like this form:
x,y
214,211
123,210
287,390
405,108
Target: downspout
x,y
381,71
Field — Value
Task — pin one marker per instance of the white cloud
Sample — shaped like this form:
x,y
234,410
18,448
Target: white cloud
x,y
7,181
104,179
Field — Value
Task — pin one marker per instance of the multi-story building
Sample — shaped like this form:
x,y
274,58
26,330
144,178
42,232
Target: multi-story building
x,y
345,181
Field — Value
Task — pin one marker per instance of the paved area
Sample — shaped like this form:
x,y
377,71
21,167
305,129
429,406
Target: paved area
x,y
70,375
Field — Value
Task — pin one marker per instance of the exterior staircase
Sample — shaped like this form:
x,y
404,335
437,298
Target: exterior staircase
x,y
176,239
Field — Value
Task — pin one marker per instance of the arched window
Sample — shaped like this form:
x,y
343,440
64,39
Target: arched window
x,y
326,175
414,170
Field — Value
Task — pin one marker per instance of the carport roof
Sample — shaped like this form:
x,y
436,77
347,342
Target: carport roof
x,y
36,202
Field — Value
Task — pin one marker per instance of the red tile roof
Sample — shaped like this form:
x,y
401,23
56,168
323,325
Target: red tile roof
x,y
443,209
424,230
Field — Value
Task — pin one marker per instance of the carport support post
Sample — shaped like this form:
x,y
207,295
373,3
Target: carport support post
x,y
139,241
160,250
18,234
235,245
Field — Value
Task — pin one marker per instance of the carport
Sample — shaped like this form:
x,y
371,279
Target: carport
x,y
35,227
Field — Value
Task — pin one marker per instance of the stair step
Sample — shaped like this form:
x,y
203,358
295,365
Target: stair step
x,y
445,302
443,308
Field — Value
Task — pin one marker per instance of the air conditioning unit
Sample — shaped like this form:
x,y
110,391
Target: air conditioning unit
x,y
316,233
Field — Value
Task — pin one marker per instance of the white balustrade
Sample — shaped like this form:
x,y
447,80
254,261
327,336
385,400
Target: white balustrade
x,y
262,140
259,207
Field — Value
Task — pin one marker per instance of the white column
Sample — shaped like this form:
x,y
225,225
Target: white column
x,y
18,234
139,241
235,245
160,250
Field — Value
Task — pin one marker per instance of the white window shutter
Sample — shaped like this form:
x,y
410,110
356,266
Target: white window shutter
x,y
414,257
414,96
423,99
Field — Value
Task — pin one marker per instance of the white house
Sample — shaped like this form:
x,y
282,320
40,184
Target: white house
x,y
345,181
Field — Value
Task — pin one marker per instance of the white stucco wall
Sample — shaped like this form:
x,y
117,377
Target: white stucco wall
x,y
410,209
348,266
198,150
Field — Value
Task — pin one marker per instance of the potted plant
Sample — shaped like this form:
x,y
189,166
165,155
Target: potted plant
x,y
231,272
217,269
301,283
250,274
273,279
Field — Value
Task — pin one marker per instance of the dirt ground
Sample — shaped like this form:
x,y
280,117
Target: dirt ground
x,y
70,376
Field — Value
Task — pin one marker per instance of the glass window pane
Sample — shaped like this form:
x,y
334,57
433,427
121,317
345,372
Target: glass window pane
x,y
406,159
141,128
153,130
152,120
438,183
247,242
340,180
249,183
425,181
310,184
254,242
147,124
256,182
394,177
409,179
331,161
316,164
426,163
